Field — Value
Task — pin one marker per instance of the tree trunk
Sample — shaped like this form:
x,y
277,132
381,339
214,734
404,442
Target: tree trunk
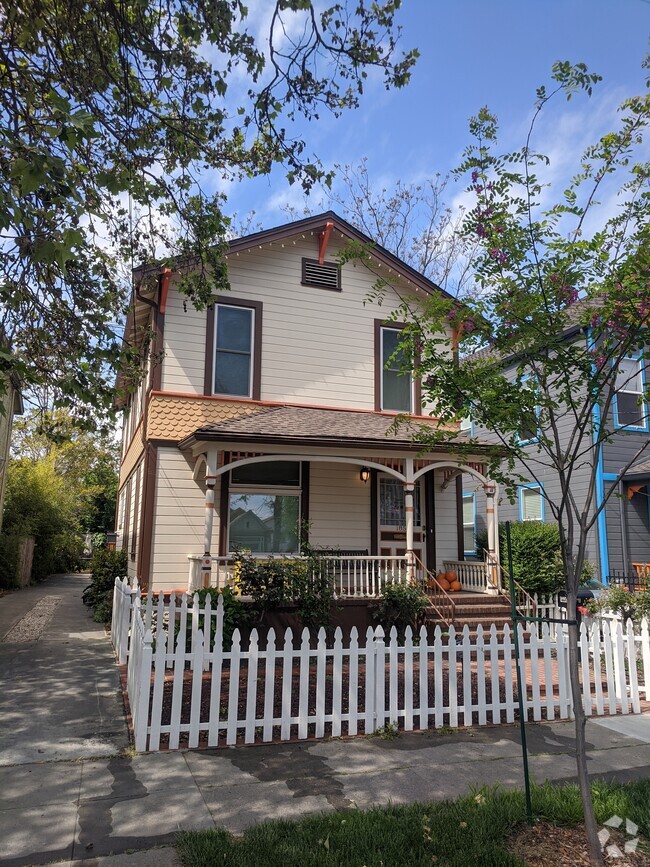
x,y
595,849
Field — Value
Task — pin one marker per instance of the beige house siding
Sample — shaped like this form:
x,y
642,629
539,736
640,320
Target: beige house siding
x,y
339,507
179,507
318,346
135,506
183,366
446,521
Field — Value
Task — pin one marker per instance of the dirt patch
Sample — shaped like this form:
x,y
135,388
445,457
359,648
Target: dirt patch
x,y
544,844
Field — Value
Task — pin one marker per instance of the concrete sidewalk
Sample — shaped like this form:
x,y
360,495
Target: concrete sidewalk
x,y
107,803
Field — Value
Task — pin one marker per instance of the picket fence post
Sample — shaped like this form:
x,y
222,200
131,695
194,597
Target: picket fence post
x,y
379,652
143,689
645,655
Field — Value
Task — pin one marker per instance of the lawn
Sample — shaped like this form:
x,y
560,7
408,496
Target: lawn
x,y
480,829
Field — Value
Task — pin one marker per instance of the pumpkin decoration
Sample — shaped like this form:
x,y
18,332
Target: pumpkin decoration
x,y
451,576
455,586
442,581
431,582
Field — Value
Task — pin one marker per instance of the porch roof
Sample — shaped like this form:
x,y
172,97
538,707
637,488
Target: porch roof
x,y
638,470
323,427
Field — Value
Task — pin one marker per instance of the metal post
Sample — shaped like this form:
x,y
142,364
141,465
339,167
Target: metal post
x,y
522,722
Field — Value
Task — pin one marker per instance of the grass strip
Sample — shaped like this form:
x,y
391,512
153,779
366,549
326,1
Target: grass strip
x,y
468,831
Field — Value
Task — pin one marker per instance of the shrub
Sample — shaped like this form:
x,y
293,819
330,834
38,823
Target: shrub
x,y
401,605
105,567
633,604
536,557
304,583
236,615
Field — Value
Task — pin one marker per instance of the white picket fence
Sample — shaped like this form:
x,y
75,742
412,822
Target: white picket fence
x,y
185,689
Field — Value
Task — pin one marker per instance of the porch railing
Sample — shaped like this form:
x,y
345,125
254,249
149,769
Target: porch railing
x,y
473,575
353,576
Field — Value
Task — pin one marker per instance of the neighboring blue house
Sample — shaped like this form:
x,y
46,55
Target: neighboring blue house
x,y
620,542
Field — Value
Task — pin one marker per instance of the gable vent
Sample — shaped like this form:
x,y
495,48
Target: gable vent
x,y
325,276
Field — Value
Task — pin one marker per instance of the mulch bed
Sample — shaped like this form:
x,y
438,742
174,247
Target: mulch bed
x,y
544,844
442,720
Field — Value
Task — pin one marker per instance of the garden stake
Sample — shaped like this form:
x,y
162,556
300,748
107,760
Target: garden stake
x,y
516,619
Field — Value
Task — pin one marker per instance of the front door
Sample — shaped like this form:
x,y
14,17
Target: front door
x,y
392,522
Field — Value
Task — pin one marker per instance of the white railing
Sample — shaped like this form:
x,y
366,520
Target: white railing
x,y
186,689
356,576
472,574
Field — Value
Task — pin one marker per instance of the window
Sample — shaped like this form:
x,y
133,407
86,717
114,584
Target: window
x,y
396,385
529,431
631,409
263,510
391,503
467,426
531,503
233,350
469,523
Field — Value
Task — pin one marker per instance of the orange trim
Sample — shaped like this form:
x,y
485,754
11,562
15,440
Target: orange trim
x,y
248,400
323,241
165,277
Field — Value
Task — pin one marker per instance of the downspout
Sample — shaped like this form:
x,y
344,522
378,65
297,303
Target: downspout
x,y
623,518
603,551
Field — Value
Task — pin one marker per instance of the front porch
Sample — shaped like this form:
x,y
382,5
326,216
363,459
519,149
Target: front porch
x,y
371,500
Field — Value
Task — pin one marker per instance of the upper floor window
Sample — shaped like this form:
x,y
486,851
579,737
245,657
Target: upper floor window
x,y
233,350
395,385
631,410
531,503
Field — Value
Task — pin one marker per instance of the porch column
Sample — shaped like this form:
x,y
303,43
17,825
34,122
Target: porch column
x,y
210,479
409,488
493,570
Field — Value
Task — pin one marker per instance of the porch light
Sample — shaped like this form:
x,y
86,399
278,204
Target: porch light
x,y
364,475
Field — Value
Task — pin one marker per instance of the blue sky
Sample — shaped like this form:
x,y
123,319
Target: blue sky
x,y
474,53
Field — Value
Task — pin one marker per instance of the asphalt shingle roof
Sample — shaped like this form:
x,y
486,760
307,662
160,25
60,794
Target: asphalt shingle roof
x,y
319,425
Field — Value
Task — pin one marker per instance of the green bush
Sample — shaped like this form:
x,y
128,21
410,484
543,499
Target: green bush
x,y
9,553
536,557
627,603
304,583
105,567
401,605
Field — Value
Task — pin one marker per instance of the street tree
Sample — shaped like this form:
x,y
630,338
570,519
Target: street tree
x,y
561,317
119,125
413,220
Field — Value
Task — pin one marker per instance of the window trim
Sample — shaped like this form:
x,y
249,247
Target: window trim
x,y
530,486
256,347
645,427
473,552
416,389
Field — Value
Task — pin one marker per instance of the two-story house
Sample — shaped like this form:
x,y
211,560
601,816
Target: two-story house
x,y
619,544
269,417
